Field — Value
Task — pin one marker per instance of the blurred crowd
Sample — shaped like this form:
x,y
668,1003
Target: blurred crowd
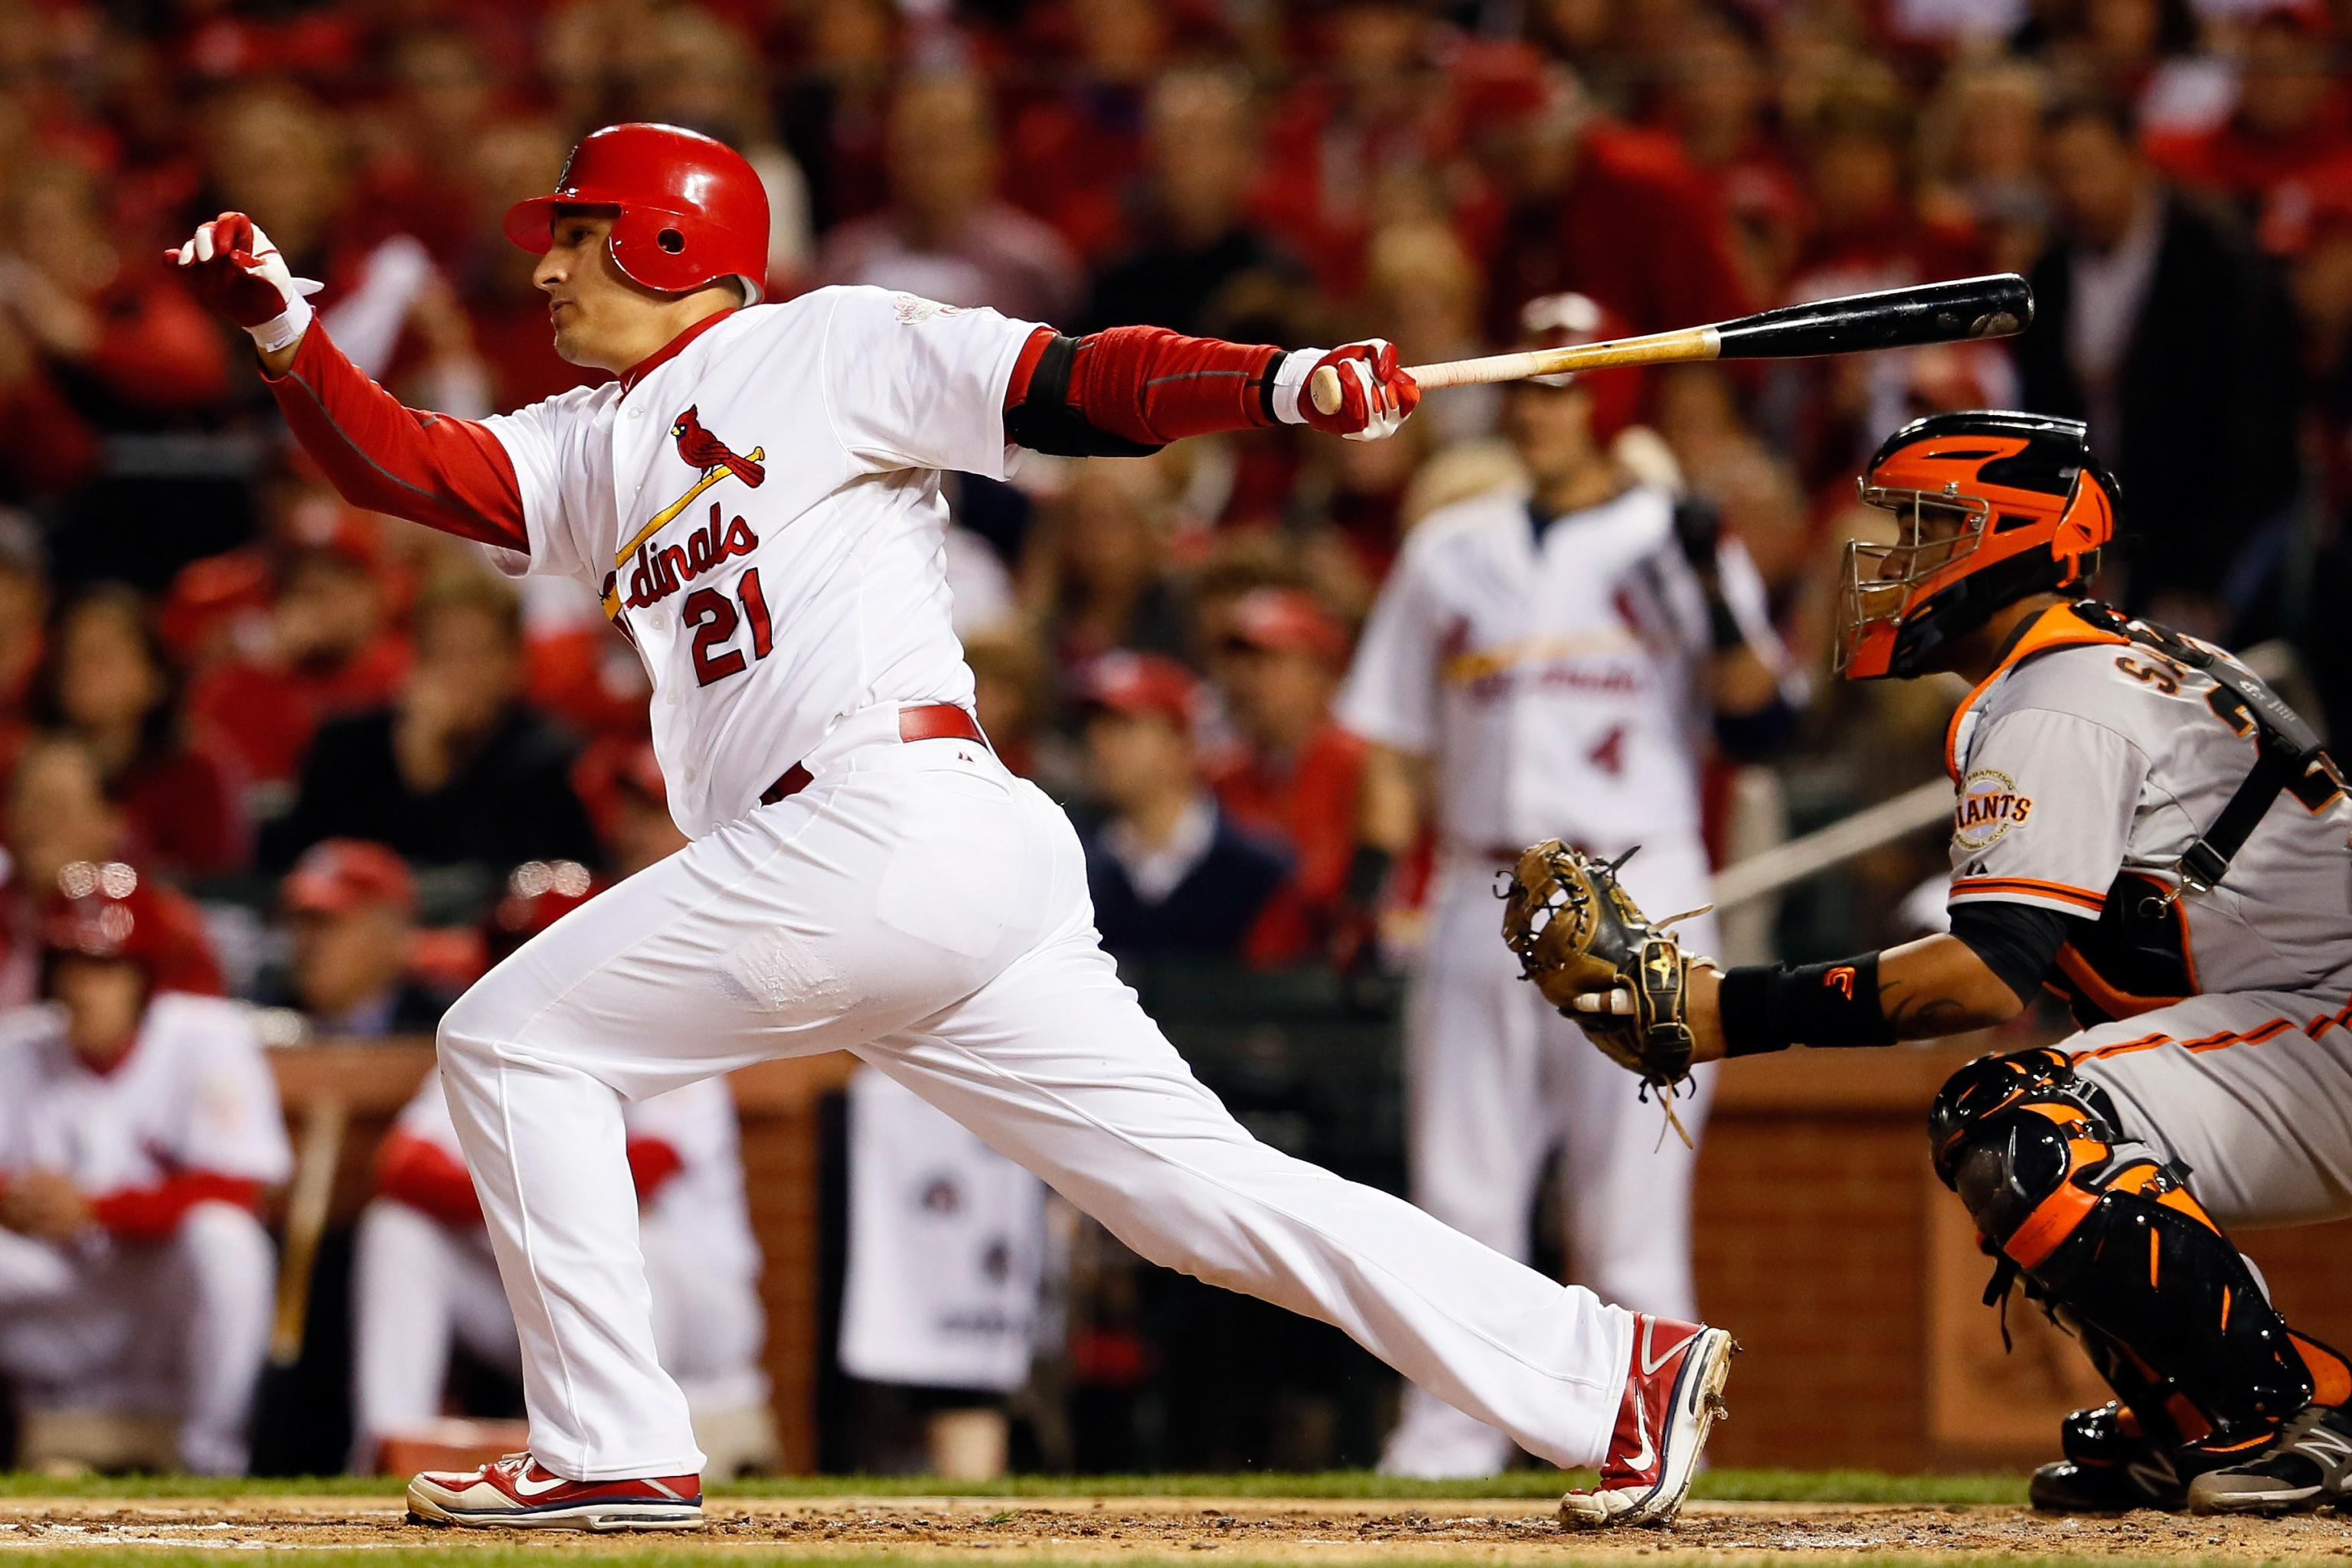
x,y
209,663
354,767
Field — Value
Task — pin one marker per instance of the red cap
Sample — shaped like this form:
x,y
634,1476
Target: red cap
x,y
104,909
339,875
539,893
1286,620
1127,682
1558,320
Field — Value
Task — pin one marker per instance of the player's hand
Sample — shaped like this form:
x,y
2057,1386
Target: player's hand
x,y
1701,1011
44,1205
1375,395
235,269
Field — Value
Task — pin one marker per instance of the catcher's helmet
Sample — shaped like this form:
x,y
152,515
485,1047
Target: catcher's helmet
x,y
690,209
1992,507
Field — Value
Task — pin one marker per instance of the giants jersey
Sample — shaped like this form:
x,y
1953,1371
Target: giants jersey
x,y
193,1094
760,511
1560,683
704,1200
2085,765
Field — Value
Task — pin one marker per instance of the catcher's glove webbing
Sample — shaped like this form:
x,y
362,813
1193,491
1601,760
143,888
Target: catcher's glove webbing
x,y
1578,934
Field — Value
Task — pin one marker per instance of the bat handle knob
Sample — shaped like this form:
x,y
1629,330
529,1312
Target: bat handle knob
x,y
1323,390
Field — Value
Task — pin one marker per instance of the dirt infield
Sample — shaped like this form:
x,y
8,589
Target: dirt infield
x,y
1258,1530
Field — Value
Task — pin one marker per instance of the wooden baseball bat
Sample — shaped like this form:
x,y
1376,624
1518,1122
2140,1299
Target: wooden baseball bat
x,y
1996,306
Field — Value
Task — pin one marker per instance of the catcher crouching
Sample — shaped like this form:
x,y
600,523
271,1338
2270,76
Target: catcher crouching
x,y
2145,827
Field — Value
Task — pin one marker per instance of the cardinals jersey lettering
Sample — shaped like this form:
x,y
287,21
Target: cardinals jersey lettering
x,y
193,1094
705,1200
1559,682
761,514
2085,765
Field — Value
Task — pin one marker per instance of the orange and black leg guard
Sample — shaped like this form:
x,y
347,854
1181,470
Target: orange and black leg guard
x,y
2110,1238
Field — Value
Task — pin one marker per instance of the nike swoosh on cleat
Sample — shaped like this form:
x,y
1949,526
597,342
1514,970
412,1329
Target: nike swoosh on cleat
x,y
525,1486
1648,1456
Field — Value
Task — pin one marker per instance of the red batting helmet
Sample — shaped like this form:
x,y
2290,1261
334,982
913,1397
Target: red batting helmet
x,y
690,210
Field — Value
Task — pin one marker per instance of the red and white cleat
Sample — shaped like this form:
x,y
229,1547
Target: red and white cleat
x,y
1673,1393
519,1493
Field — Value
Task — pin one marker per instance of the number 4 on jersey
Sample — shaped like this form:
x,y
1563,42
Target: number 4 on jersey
x,y
712,616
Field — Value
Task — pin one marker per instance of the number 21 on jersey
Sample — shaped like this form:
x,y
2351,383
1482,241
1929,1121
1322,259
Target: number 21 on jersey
x,y
713,618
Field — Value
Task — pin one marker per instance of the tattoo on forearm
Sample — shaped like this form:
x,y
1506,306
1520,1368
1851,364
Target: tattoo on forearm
x,y
1920,1017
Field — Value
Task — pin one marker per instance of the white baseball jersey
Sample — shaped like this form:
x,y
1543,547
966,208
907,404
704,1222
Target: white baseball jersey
x,y
2085,765
760,513
703,1203
194,1093
1560,683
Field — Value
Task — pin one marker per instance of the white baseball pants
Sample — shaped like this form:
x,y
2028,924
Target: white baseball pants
x,y
177,1327
421,1286
923,907
1496,1082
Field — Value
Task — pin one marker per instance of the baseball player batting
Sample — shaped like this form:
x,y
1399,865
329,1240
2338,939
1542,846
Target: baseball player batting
x,y
2144,826
756,498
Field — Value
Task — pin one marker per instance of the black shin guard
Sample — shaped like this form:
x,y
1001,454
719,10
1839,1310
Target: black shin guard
x,y
2111,1237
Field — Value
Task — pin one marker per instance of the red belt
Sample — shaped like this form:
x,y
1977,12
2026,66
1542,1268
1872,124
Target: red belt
x,y
931,721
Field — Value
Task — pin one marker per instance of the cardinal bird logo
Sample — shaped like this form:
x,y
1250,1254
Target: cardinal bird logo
x,y
715,460
705,451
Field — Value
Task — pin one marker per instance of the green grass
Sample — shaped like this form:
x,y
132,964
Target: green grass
x,y
1745,1486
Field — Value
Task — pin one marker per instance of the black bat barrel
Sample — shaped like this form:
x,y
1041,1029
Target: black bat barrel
x,y
1997,306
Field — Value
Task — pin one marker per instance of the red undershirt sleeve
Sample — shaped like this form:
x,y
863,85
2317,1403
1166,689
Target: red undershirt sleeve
x,y
152,1214
427,1178
1147,386
447,473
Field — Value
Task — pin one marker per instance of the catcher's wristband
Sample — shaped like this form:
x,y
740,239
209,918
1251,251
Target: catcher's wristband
x,y
1769,1008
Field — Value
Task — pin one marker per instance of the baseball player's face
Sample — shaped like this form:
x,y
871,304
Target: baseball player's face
x,y
1552,428
346,958
593,307
103,998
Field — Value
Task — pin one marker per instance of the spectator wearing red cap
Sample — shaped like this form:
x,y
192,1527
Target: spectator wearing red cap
x,y
1294,774
351,908
1172,875
108,683
139,1128
423,1279
456,771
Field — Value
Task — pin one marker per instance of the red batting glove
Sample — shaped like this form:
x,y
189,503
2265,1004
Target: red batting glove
x,y
1377,395
234,268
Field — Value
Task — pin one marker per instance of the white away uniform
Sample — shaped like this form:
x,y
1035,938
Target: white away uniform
x,y
172,1324
421,1283
1558,686
2087,765
916,903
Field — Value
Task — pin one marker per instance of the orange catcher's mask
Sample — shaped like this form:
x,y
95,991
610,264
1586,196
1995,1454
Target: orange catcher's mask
x,y
1990,507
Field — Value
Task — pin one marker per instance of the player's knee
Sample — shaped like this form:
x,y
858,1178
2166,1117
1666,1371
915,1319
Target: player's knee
x,y
472,1027
2011,1134
223,1250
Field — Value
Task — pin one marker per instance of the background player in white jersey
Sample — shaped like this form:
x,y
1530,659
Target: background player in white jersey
x,y
138,1131
2144,826
1543,663
425,1279
757,500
